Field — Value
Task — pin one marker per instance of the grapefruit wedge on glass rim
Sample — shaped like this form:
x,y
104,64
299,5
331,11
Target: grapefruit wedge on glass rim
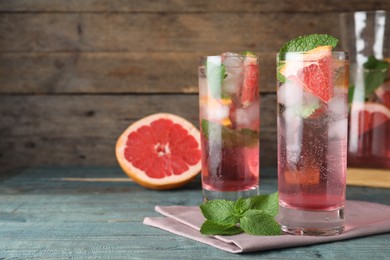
x,y
160,151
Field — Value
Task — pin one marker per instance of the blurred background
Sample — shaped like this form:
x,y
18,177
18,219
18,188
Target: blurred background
x,y
75,74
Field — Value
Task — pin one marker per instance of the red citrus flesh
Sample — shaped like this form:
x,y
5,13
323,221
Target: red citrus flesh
x,y
317,78
251,83
370,115
383,93
161,151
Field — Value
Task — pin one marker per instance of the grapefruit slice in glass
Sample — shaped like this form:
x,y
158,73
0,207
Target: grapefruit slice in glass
x,y
251,81
317,77
316,73
160,151
370,115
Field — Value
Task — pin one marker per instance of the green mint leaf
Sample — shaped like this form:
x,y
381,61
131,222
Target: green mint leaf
x,y
257,222
280,77
373,63
307,110
241,205
375,74
307,43
351,91
267,203
254,215
213,228
219,211
257,202
271,204
230,137
248,53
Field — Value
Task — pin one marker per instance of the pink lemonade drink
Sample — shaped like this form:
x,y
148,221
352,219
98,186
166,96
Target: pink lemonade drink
x,y
369,118
312,140
229,123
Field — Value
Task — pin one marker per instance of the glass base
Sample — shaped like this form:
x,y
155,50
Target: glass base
x,y
311,222
229,195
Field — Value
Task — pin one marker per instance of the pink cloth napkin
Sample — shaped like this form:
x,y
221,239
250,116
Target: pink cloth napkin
x,y
362,219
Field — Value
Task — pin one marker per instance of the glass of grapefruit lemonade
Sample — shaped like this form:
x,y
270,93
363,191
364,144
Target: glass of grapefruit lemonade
x,y
229,123
312,124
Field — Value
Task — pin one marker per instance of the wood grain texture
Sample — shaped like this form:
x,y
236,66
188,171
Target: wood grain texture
x,y
82,130
74,74
45,216
97,73
377,178
155,32
190,6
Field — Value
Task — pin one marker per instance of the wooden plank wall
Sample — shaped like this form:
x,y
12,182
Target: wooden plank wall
x,y
74,74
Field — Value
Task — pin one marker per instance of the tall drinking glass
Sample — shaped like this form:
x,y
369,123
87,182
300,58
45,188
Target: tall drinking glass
x,y
366,36
229,122
312,141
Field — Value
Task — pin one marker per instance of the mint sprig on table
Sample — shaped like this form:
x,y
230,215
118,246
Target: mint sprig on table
x,y
254,216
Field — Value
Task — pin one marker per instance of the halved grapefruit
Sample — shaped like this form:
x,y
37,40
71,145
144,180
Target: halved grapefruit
x,y
370,115
160,151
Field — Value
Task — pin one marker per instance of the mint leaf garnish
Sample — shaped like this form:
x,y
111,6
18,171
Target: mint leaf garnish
x,y
373,63
280,77
213,228
307,43
375,74
248,53
255,216
307,110
257,222
351,91
230,137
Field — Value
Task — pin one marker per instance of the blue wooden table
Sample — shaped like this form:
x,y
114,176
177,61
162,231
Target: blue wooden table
x,y
97,213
